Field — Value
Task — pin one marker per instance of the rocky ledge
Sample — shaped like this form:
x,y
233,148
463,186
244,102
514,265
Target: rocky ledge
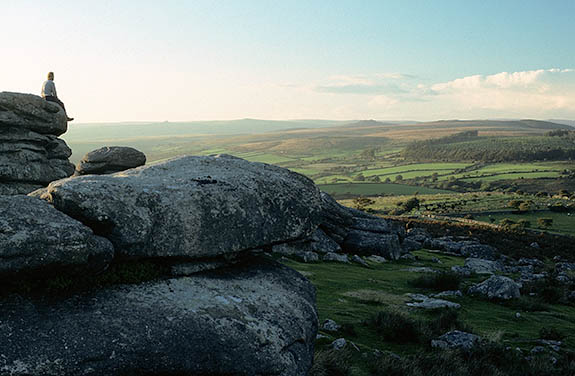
x,y
31,154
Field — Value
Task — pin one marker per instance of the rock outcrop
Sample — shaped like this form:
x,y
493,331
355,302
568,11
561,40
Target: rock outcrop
x,y
257,318
497,287
36,238
110,159
31,154
192,207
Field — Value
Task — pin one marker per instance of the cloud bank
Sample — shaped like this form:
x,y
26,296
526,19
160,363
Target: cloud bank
x,y
542,93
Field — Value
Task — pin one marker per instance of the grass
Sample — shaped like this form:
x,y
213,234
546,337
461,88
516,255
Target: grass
x,y
563,223
351,294
372,189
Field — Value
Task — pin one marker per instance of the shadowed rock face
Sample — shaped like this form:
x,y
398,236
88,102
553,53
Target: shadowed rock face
x,y
31,112
31,154
192,207
35,237
257,318
110,159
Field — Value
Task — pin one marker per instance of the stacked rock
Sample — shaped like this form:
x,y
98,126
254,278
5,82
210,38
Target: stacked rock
x,y
221,307
31,154
110,159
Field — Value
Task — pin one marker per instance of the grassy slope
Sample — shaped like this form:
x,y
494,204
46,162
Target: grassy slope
x,y
350,294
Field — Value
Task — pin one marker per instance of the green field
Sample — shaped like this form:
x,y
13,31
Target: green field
x,y
563,223
374,189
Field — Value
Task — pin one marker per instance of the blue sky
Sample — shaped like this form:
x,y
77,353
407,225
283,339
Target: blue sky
x,y
192,60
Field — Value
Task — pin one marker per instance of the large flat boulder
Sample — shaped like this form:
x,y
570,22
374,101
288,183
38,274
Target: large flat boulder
x,y
192,207
36,238
110,159
31,112
371,243
256,318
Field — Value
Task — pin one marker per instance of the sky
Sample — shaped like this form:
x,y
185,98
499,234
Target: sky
x,y
172,60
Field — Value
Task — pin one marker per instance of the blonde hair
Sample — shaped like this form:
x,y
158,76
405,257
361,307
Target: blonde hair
x,y
50,75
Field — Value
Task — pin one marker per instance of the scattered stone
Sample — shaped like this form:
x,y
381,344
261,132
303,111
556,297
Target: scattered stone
x,y
370,243
377,259
408,257
531,261
565,267
497,287
336,257
436,260
534,245
418,235
481,251
110,159
409,245
481,266
461,270
448,294
456,339
423,301
330,326
377,225
36,238
537,350
421,269
517,315
359,260
338,344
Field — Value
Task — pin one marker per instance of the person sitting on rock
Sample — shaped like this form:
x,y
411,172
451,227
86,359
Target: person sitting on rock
x,y
49,93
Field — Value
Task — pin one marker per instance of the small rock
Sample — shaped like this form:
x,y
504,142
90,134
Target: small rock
x,y
517,315
338,344
436,260
455,339
408,257
377,259
330,326
482,266
421,269
428,303
110,159
448,294
359,260
335,257
537,350
497,287
534,245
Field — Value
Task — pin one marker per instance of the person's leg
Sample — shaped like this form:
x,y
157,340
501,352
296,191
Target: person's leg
x,y
51,98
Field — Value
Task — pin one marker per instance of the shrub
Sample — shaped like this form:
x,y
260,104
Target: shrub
x,y
348,329
551,333
331,363
438,281
447,320
544,222
396,327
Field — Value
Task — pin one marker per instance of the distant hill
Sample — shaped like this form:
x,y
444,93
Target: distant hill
x,y
563,121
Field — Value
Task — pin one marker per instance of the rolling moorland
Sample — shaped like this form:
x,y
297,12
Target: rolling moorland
x,y
515,178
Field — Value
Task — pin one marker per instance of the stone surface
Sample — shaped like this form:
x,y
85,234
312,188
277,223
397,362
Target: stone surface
x,y
110,159
370,243
330,326
497,287
31,154
482,251
36,238
358,260
192,207
31,112
335,257
448,294
338,344
456,339
481,266
257,318
425,302
377,259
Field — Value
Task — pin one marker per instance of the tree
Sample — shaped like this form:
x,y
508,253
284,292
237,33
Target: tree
x,y
359,177
524,206
398,178
544,222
